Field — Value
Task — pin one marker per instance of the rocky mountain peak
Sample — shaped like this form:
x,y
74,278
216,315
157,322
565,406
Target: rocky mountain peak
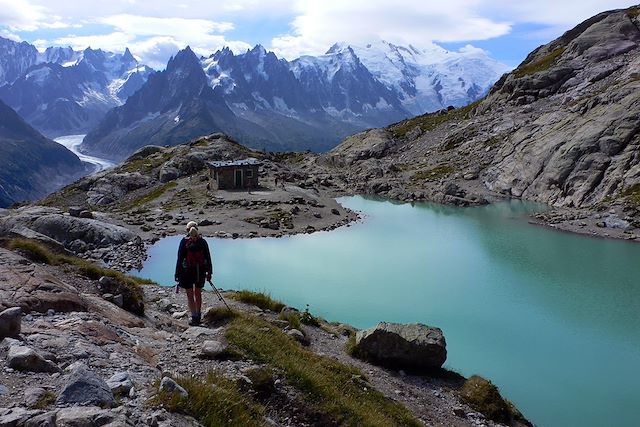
x,y
127,56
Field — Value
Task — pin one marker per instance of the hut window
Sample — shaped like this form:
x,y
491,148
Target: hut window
x,y
249,173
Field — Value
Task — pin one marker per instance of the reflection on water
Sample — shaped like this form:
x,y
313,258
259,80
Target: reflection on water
x,y
550,317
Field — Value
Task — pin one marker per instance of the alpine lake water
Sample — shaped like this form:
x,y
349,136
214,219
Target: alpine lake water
x,y
552,318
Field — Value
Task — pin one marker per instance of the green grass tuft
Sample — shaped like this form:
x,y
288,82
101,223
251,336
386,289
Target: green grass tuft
x,y
293,319
47,399
128,286
633,12
215,402
259,299
331,388
484,397
433,174
540,65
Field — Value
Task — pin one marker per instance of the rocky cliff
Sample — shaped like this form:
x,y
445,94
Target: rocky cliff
x,y
563,129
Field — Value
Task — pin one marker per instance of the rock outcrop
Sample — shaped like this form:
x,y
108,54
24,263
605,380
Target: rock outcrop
x,y
411,347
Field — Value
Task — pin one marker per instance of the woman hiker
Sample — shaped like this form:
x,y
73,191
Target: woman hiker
x,y
192,268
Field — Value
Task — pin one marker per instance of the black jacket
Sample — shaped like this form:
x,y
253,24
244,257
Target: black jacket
x,y
199,244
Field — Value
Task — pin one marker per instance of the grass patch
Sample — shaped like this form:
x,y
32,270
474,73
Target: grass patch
x,y
150,196
328,386
484,397
633,12
214,402
429,122
259,299
293,318
540,65
217,315
632,194
47,399
128,286
433,174
145,165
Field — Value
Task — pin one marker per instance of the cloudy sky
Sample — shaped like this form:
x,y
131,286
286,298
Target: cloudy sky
x,y
154,30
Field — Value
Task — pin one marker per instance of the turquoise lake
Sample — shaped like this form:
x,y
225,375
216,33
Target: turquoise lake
x,y
552,318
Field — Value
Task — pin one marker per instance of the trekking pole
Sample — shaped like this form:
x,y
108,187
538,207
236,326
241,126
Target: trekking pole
x,y
219,295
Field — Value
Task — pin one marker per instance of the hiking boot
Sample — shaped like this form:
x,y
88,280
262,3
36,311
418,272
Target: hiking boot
x,y
194,321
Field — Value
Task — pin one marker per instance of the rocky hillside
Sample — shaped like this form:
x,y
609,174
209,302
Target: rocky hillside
x,y
563,129
31,165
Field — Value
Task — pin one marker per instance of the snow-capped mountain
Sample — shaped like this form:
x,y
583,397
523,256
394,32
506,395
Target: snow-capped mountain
x,y
62,91
309,103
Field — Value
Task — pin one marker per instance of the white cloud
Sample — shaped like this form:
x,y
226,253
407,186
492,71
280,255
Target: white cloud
x,y
155,30
23,15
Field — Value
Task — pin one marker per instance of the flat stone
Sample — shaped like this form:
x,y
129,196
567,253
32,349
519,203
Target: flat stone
x,y
24,358
83,416
16,416
212,349
195,332
48,419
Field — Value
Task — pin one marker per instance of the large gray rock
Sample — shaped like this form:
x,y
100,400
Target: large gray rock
x,y
412,347
85,387
10,322
24,358
111,187
48,419
213,349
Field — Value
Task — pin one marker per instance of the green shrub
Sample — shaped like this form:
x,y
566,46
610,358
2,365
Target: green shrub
x,y
338,391
259,299
632,194
214,402
309,319
217,315
485,398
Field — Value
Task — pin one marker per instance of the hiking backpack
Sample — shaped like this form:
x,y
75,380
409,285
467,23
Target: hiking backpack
x,y
195,256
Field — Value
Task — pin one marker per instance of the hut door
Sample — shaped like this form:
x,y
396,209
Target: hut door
x,y
238,179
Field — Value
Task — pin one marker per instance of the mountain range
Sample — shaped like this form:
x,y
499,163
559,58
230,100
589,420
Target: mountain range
x,y
61,91
311,102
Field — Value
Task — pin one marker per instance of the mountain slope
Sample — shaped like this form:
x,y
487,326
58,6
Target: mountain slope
x,y
61,91
562,129
30,164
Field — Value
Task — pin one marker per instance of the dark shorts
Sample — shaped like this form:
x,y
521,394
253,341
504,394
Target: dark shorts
x,y
191,278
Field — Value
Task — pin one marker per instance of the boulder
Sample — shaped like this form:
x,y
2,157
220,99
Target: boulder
x,y
48,419
10,322
398,346
23,358
85,387
213,349
298,336
120,383
33,396
167,384
144,152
